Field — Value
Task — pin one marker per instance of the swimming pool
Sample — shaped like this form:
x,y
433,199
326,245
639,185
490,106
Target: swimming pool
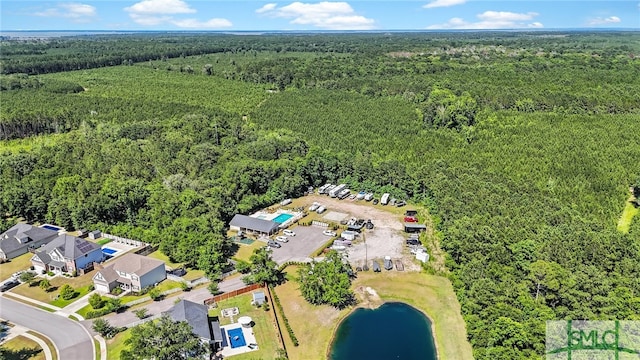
x,y
51,227
236,338
282,218
109,251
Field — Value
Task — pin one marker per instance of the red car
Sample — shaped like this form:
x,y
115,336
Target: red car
x,y
410,219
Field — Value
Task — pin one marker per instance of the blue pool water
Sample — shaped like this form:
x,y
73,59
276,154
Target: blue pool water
x,y
109,251
236,338
51,227
282,218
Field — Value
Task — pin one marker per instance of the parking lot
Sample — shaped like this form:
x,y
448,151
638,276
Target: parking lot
x,y
300,247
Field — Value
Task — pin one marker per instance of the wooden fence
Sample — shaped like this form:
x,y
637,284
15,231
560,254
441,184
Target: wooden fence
x,y
232,293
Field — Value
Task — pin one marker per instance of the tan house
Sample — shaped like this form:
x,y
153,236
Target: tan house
x,y
131,272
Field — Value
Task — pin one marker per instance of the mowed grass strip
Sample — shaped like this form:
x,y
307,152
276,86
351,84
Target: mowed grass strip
x,y
630,210
314,325
49,343
22,345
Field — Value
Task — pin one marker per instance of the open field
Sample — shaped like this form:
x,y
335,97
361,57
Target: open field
x,y
22,262
23,346
626,218
433,295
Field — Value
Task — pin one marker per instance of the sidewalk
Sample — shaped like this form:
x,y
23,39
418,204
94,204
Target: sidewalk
x,y
17,330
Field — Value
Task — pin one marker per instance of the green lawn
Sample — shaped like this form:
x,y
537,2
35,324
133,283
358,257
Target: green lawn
x,y
22,262
245,251
264,328
163,286
79,283
20,346
115,345
628,213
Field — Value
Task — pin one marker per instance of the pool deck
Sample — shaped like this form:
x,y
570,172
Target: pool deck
x,y
248,337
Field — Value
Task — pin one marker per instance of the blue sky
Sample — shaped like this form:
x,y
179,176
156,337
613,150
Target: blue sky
x,y
322,15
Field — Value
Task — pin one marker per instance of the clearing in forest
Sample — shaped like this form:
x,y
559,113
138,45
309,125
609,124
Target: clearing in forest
x,y
630,210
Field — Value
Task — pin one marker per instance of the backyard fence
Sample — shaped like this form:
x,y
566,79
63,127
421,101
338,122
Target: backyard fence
x,y
125,241
233,293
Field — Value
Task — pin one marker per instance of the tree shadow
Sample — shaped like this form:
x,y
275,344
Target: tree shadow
x,y
22,354
51,289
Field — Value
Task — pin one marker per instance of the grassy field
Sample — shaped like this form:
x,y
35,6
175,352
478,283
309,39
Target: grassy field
x,y
23,346
79,283
245,251
314,325
22,262
628,213
264,328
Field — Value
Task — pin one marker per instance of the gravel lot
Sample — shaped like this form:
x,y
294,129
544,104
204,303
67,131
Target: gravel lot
x,y
385,239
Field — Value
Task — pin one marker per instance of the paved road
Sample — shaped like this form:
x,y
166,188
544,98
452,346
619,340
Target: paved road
x,y
71,339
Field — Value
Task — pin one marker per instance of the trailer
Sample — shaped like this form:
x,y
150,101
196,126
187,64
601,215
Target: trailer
x,y
336,190
343,194
368,197
376,266
388,264
384,200
321,209
323,188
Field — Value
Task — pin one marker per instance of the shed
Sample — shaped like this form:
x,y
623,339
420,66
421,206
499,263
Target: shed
x,y
253,225
95,234
258,298
412,227
422,256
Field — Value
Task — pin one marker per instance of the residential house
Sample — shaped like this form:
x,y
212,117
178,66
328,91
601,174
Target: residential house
x,y
66,253
130,272
253,225
21,238
197,315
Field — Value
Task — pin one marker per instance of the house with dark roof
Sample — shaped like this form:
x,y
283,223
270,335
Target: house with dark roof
x,y
21,238
253,225
66,253
197,316
130,272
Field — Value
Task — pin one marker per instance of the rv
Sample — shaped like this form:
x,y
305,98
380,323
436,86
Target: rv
x,y
321,209
336,190
368,197
384,200
343,194
323,188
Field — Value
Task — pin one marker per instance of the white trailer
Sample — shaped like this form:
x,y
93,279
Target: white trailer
x,y
336,190
384,200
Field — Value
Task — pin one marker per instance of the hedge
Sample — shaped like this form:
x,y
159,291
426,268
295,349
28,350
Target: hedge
x,y
276,300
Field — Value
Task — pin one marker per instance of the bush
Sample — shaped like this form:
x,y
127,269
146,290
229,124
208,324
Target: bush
x,y
67,292
213,288
243,267
265,306
27,276
185,286
155,294
116,291
141,313
96,301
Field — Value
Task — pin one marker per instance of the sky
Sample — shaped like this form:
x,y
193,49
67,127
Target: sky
x,y
247,15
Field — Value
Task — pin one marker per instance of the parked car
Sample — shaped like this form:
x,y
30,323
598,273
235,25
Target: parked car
x,y
289,232
329,233
361,195
413,242
17,274
392,202
401,203
375,201
9,285
368,197
388,264
282,239
274,244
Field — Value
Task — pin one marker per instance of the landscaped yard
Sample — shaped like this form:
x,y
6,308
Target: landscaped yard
x,y
163,286
264,329
22,262
79,283
22,346
314,325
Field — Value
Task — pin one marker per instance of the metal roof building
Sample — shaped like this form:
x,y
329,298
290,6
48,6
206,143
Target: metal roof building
x,y
253,225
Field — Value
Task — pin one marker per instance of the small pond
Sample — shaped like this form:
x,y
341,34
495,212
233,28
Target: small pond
x,y
393,331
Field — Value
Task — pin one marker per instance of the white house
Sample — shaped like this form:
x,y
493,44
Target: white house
x,y
130,272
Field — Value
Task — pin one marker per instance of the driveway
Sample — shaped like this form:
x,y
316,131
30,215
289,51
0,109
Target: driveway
x,y
300,247
70,338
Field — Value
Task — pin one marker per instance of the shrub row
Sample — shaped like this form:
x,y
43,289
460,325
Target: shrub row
x,y
276,300
289,263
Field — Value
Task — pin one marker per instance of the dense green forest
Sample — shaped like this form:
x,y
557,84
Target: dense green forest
x,y
522,145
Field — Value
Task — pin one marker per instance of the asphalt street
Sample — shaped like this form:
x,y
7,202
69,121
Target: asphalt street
x,y
71,339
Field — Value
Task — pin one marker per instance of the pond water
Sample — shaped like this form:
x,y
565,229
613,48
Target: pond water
x,y
393,331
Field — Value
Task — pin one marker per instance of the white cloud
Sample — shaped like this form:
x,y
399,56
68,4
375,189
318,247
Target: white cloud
x,y
158,12
160,7
266,7
493,20
75,11
443,3
603,21
215,23
324,15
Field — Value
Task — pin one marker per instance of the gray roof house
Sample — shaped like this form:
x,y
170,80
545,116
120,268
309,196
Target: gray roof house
x,y
66,253
197,315
130,272
253,225
21,238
